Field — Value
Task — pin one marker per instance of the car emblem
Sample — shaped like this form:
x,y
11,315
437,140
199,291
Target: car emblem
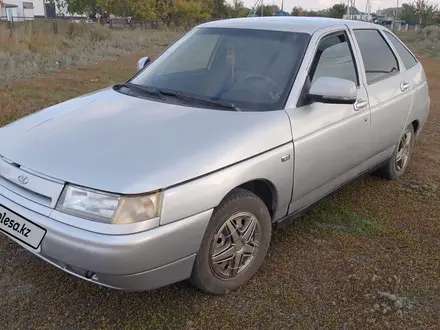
x,y
23,179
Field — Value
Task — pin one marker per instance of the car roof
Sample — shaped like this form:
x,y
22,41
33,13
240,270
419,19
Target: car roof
x,y
286,23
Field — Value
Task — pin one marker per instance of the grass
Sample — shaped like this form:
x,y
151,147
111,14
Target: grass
x,y
424,42
34,49
335,218
324,271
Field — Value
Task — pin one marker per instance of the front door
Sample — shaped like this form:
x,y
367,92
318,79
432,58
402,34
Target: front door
x,y
331,140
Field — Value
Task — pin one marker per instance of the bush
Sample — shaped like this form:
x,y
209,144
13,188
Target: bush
x,y
99,33
76,30
424,42
431,33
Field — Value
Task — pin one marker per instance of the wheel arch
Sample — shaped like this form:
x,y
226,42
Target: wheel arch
x,y
264,189
416,126
266,175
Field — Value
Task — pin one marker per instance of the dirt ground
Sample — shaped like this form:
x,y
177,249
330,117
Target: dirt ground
x,y
365,258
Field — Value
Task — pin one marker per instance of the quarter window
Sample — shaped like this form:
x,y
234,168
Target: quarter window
x,y
407,58
334,59
379,60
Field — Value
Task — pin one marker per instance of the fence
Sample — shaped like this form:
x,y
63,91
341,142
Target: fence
x,y
58,24
402,27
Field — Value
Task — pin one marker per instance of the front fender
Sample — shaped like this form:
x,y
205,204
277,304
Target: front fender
x,y
206,192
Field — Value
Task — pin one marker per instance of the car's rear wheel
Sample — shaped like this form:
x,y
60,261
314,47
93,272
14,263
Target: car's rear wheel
x,y
235,243
397,164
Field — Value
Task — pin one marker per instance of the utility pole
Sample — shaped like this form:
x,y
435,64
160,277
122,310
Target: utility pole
x,y
350,7
368,10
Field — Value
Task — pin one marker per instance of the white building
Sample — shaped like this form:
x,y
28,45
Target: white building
x,y
22,10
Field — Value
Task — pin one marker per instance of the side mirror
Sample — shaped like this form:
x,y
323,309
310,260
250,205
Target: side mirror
x,y
143,62
333,90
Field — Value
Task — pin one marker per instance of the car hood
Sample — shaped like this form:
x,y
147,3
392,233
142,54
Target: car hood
x,y
118,143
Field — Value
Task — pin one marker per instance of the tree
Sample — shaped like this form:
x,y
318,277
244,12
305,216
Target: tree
x,y
299,11
163,10
296,11
77,6
138,9
310,13
268,10
409,14
337,11
425,12
238,9
189,10
419,12
218,8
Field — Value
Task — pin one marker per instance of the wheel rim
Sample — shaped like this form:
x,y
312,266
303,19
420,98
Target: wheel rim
x,y
235,245
403,150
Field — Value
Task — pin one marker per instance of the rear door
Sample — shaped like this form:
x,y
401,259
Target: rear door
x,y
413,75
389,91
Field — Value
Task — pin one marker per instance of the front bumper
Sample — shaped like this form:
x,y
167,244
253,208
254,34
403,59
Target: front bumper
x,y
133,262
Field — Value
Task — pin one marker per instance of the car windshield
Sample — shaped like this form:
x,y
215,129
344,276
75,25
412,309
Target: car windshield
x,y
243,68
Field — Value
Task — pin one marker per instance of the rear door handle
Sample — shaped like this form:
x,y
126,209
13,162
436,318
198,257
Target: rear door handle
x,y
405,85
360,104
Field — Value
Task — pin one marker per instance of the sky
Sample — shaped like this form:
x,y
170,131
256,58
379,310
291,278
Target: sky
x,y
322,4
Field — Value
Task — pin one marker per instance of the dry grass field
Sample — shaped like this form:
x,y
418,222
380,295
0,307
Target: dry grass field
x,y
365,258
33,48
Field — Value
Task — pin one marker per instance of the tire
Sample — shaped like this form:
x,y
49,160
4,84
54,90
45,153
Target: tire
x,y
213,271
391,170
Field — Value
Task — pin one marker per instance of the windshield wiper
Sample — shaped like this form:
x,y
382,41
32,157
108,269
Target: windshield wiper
x,y
141,89
190,97
159,92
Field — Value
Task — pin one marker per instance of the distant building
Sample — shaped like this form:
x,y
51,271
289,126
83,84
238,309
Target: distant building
x,y
22,10
390,12
355,14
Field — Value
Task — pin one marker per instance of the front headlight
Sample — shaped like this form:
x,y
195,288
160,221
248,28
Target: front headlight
x,y
108,208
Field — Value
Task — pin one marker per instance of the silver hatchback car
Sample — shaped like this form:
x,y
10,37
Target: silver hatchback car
x,y
183,171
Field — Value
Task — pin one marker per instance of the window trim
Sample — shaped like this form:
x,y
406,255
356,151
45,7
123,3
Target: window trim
x,y
306,86
387,75
386,33
350,48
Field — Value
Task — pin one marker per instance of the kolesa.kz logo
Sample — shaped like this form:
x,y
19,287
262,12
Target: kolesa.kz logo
x,y
15,226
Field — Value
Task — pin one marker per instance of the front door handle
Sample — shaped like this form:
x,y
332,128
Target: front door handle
x,y
405,85
360,104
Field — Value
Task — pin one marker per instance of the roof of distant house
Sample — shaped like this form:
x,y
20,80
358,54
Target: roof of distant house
x,y
7,5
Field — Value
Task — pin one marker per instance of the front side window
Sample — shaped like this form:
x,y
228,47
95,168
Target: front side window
x,y
407,58
252,69
334,59
379,60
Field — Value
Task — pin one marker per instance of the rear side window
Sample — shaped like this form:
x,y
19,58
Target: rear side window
x,y
378,58
407,58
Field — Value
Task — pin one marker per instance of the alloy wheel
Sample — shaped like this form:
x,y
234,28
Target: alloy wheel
x,y
403,150
235,245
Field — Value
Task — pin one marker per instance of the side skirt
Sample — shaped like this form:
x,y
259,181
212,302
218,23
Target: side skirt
x,y
288,219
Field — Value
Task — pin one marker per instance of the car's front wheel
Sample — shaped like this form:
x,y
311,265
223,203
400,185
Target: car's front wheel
x,y
397,164
235,243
